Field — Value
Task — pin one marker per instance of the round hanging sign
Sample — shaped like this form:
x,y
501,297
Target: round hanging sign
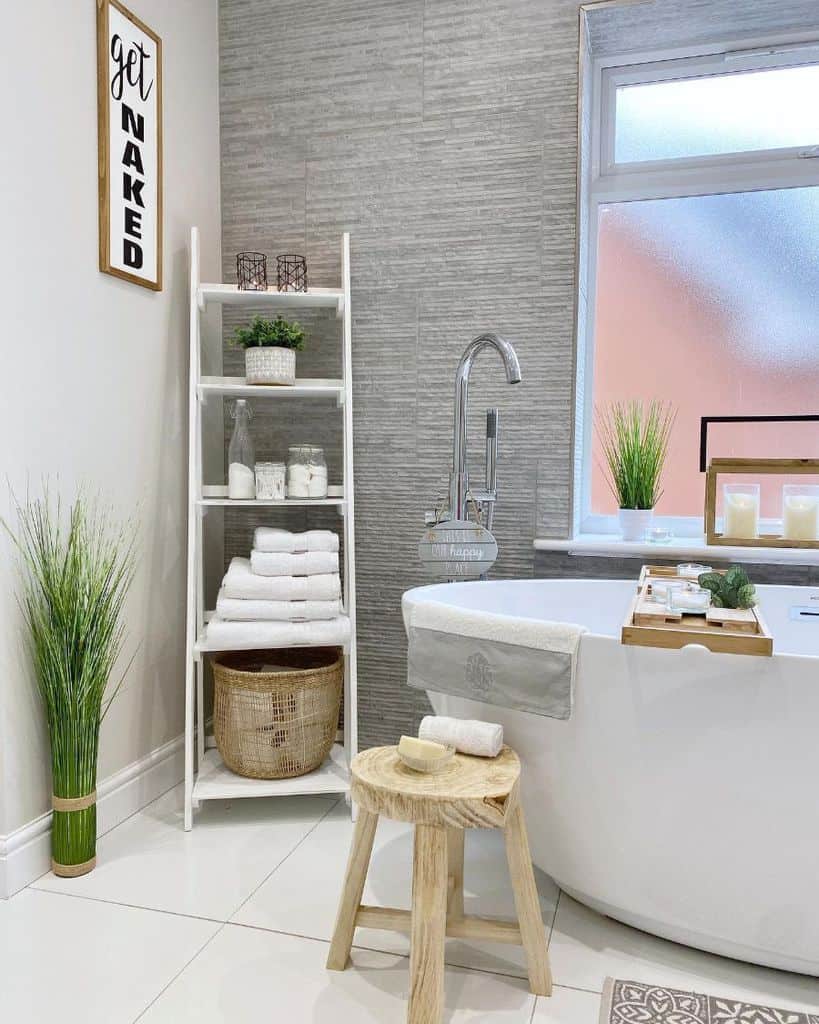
x,y
457,549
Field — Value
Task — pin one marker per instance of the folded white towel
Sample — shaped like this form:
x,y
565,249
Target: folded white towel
x,y
253,635
281,563
244,610
483,739
268,538
240,582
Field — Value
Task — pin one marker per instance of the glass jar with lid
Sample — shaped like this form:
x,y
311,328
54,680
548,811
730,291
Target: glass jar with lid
x,y
270,481
306,472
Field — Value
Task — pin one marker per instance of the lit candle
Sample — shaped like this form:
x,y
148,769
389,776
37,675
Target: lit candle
x,y
741,511
800,512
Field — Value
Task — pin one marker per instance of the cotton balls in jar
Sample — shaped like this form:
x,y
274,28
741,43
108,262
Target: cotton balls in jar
x,y
306,473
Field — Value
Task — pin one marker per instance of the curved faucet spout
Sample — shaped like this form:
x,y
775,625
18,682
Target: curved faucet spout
x,y
459,478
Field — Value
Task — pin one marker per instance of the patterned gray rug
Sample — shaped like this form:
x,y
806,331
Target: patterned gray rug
x,y
632,1002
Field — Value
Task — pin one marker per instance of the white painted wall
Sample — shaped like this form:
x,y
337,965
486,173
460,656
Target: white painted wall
x,y
94,386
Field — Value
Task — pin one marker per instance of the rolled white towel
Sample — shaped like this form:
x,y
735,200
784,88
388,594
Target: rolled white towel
x,y
282,563
483,739
267,538
241,583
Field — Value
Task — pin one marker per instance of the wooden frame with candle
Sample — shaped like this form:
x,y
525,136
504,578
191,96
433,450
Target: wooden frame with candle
x,y
727,467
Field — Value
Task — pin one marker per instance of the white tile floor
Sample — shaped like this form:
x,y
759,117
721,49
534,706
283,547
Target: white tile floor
x,y
230,923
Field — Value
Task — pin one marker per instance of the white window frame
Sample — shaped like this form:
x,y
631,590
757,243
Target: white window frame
x,y
604,181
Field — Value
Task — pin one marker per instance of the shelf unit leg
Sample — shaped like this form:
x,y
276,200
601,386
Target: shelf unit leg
x,y
189,743
200,713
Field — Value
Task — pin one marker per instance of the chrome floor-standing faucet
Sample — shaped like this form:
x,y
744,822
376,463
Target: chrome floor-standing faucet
x,y
459,492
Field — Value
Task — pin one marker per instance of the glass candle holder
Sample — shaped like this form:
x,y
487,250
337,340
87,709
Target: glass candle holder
x,y
740,510
660,589
692,570
689,600
800,512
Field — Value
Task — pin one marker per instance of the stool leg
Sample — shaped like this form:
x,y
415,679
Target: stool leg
x,y
428,928
532,931
455,881
354,879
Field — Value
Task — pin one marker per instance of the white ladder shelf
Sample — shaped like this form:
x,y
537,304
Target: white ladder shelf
x,y
206,776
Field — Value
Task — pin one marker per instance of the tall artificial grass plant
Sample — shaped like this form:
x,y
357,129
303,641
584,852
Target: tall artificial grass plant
x,y
78,564
635,440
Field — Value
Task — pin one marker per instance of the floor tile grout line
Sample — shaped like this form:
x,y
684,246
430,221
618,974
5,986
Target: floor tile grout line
x,y
183,968
401,956
128,906
286,857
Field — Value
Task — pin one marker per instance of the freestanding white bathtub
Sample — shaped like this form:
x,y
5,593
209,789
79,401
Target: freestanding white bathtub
x,y
682,796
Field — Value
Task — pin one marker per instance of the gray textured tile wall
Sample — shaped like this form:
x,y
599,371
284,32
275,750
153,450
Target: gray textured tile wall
x,y
441,135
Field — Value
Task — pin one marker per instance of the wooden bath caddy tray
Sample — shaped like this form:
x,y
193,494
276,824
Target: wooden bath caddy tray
x,y
723,630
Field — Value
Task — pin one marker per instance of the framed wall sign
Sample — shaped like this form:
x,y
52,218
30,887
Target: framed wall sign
x,y
129,102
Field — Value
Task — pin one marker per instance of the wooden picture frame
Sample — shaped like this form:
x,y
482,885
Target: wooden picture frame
x,y
129,125
727,467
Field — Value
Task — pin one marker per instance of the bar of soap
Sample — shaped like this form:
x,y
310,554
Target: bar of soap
x,y
424,750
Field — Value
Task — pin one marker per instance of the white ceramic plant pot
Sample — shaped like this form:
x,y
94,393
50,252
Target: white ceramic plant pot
x,y
270,365
634,522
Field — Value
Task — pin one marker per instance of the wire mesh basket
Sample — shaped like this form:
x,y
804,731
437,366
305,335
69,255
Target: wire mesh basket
x,y
291,273
251,272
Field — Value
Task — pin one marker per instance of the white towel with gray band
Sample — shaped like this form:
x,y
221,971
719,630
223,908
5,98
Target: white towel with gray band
x,y
282,563
525,664
242,583
481,739
236,609
269,538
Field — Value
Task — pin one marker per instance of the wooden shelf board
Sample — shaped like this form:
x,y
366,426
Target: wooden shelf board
x,y
313,298
215,781
237,387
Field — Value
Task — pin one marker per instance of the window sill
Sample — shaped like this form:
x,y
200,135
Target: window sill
x,y
610,546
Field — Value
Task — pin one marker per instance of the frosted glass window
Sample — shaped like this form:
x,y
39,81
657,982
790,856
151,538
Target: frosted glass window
x,y
711,303
731,113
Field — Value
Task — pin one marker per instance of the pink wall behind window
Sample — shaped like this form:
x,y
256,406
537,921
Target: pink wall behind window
x,y
659,333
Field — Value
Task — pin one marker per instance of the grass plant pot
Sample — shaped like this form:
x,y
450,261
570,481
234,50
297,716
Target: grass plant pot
x,y
275,713
634,522
270,365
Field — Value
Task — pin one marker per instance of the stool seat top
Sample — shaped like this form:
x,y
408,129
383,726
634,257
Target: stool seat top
x,y
470,792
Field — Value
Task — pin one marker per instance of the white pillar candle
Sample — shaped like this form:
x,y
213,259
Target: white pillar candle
x,y
741,515
241,482
800,517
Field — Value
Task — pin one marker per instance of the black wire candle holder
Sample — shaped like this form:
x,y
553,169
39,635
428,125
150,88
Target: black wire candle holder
x,y
291,273
251,271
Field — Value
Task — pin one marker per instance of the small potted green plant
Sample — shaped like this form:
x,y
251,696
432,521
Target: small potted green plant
x,y
270,350
635,444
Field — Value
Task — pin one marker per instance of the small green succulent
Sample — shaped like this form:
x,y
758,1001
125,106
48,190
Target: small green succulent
x,y
731,589
278,333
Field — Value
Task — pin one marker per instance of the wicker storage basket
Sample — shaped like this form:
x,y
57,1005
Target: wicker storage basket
x,y
275,713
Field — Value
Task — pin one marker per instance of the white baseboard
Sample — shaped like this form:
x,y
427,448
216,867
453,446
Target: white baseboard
x,y
25,854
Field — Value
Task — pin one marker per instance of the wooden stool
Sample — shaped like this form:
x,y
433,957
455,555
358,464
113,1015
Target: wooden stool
x,y
471,792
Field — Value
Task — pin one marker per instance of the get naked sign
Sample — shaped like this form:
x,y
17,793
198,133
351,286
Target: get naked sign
x,y
129,98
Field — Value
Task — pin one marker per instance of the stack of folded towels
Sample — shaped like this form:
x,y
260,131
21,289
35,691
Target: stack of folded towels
x,y
287,593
